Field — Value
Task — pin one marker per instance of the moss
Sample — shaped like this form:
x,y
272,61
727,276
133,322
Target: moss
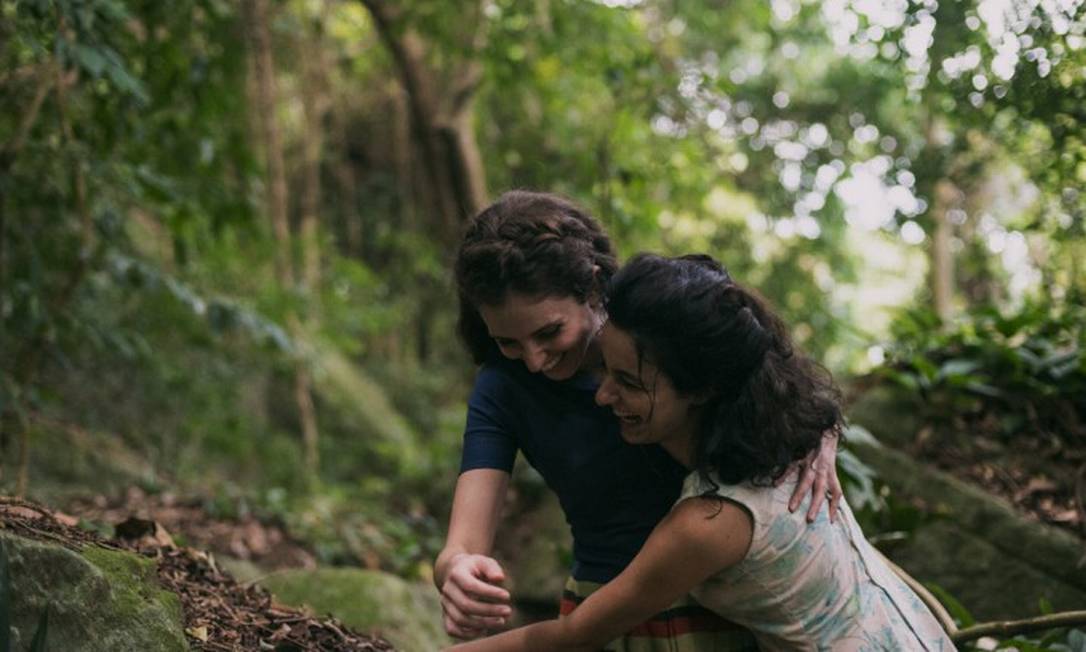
x,y
136,582
407,614
98,599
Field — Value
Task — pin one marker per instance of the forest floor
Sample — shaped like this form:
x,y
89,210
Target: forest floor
x,y
219,612
1044,479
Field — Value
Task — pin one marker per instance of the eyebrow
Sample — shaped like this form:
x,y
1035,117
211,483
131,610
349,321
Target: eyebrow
x,y
557,322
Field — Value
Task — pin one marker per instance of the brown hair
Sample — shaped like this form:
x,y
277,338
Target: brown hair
x,y
531,243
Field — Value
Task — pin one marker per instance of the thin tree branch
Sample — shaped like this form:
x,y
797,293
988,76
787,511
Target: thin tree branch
x,y
11,148
1006,628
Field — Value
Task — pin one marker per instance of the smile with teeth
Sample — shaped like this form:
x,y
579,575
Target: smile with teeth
x,y
630,418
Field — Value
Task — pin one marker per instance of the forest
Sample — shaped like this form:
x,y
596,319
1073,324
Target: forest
x,y
228,312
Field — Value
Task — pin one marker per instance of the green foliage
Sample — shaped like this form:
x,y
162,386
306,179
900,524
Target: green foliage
x,y
1026,369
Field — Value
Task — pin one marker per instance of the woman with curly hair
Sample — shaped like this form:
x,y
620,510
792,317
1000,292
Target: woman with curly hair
x,y
530,273
702,367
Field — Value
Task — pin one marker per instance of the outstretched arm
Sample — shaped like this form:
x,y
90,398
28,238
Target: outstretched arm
x,y
818,475
699,538
468,578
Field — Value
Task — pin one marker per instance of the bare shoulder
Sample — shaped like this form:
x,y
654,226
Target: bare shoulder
x,y
711,526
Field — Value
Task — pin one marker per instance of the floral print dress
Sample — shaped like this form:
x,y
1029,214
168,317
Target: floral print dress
x,y
820,586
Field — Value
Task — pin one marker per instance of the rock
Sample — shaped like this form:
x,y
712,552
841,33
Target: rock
x,y
991,585
406,614
98,599
894,415
994,560
535,552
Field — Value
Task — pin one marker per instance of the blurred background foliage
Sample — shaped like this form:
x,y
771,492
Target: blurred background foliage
x,y
226,228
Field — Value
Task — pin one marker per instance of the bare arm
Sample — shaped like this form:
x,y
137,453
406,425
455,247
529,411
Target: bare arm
x,y
699,538
468,578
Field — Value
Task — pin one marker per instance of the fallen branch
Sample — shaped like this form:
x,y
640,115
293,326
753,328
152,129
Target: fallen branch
x,y
1006,628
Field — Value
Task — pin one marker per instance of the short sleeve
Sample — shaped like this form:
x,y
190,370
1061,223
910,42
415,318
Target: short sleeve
x,y
489,441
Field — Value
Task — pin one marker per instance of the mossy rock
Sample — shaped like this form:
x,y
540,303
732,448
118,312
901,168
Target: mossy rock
x,y
535,552
98,599
995,561
406,614
991,584
893,414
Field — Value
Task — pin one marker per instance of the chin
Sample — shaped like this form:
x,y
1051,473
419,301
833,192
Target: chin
x,y
559,373
636,438
564,370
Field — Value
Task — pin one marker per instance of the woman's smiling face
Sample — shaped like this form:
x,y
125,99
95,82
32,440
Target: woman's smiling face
x,y
647,405
554,336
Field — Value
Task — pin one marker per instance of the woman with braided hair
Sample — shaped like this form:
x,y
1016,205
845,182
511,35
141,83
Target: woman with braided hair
x,y
700,366
530,272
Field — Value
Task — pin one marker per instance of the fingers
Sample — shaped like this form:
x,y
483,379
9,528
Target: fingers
x,y
828,457
454,629
803,485
477,588
471,601
491,571
835,494
465,626
818,492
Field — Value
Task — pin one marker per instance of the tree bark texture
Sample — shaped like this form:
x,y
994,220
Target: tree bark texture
x,y
941,252
264,103
441,110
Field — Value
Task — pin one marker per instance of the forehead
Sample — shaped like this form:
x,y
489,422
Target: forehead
x,y
521,315
619,349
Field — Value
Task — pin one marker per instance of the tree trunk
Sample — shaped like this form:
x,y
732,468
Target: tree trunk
x,y
941,252
264,104
440,105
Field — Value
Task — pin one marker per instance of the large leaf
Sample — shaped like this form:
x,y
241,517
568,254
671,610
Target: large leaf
x,y
956,609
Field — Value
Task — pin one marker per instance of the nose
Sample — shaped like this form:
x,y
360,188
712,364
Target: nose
x,y
605,395
534,357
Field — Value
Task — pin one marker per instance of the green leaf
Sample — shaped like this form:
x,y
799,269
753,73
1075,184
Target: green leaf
x,y
984,389
857,433
956,610
38,643
89,58
957,367
1045,606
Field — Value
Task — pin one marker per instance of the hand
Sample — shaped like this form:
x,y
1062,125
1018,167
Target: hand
x,y
818,474
472,598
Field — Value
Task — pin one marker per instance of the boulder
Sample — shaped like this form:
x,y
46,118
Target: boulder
x,y
98,598
407,614
995,561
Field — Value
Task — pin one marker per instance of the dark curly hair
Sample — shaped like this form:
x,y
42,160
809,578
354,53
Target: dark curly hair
x,y
769,405
531,243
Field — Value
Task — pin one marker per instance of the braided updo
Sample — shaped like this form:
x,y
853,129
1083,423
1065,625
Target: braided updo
x,y
534,244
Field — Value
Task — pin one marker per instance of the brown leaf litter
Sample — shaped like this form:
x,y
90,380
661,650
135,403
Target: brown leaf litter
x,y
220,613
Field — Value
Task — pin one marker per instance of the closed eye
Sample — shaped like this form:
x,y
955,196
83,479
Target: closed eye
x,y
548,332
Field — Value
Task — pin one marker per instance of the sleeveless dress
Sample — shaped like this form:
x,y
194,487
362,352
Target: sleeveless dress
x,y
813,587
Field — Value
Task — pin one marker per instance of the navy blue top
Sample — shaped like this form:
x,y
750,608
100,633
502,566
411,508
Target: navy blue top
x,y
612,493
